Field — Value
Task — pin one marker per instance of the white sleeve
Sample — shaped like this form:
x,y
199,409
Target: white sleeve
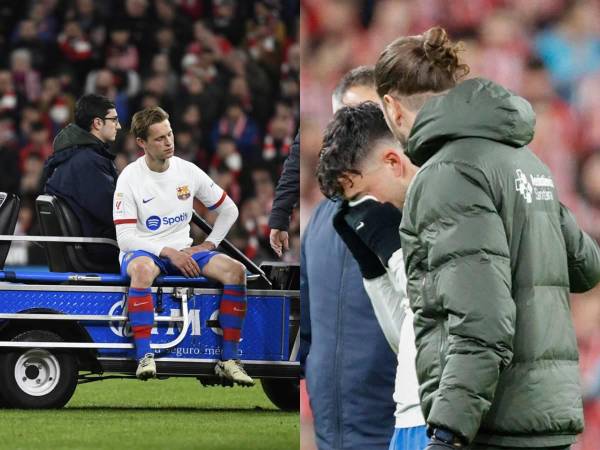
x,y
389,299
125,218
389,306
215,199
227,214
397,271
206,190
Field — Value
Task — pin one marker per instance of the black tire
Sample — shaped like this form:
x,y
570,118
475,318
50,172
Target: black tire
x,y
47,377
283,392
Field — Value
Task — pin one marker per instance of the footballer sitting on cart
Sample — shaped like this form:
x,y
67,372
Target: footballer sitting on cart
x,y
152,208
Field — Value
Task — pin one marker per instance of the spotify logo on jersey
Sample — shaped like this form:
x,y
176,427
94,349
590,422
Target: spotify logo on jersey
x,y
153,223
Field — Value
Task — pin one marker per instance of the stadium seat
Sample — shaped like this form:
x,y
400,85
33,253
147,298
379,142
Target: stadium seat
x,y
57,219
9,211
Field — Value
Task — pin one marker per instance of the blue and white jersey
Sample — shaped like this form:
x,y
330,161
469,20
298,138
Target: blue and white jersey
x,y
152,210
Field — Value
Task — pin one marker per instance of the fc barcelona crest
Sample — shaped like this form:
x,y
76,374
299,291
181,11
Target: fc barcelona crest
x,y
183,192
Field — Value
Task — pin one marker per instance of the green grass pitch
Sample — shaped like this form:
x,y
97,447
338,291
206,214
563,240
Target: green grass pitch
x,y
174,414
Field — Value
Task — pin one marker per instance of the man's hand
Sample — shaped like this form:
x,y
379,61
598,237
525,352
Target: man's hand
x,y
204,247
184,262
368,262
378,226
279,241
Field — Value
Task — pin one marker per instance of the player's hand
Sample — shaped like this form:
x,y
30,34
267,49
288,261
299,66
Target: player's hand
x,y
368,262
378,226
185,263
279,240
204,247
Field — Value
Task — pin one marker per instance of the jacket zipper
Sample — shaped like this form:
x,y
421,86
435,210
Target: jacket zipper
x,y
442,326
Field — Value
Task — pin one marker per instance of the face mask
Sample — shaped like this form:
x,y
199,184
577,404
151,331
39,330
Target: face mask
x,y
59,114
8,101
234,162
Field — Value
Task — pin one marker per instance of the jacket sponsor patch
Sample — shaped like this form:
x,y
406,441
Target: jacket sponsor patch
x,y
536,187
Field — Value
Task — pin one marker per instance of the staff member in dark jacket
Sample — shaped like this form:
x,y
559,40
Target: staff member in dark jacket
x,y
82,171
286,197
491,256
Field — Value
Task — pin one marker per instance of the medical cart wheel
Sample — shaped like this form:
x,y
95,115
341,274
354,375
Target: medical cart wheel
x,y
284,393
37,378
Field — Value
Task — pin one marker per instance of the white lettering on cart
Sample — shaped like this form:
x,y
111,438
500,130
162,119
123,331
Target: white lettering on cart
x,y
194,322
125,330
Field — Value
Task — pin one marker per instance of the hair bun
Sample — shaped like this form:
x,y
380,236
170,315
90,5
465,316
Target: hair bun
x,y
434,38
438,49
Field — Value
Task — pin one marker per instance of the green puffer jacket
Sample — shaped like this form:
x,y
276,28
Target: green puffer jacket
x,y
491,256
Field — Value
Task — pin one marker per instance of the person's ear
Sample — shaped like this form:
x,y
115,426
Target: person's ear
x,y
141,143
97,123
393,108
395,162
346,181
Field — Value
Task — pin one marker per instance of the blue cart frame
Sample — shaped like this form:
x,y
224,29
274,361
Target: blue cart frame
x,y
58,329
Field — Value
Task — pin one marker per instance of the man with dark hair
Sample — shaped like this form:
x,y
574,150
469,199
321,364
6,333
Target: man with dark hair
x,y
348,363
82,171
363,163
350,140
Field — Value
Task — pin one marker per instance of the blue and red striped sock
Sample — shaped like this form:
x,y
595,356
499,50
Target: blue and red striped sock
x,y
232,311
140,306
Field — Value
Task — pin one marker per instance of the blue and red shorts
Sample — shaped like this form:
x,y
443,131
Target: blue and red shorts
x,y
164,264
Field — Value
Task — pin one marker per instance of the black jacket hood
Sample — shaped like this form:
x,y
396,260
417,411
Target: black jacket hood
x,y
75,136
68,142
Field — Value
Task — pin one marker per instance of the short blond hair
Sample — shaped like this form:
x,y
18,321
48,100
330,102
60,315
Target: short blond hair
x,y
142,120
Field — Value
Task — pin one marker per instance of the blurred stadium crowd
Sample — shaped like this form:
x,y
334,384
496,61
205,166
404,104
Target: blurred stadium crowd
x,y
227,72
546,50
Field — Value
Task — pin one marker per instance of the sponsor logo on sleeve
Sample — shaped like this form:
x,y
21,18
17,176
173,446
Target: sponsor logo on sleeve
x,y
119,208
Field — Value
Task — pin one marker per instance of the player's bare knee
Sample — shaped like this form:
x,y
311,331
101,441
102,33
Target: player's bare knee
x,y
235,273
240,272
142,273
